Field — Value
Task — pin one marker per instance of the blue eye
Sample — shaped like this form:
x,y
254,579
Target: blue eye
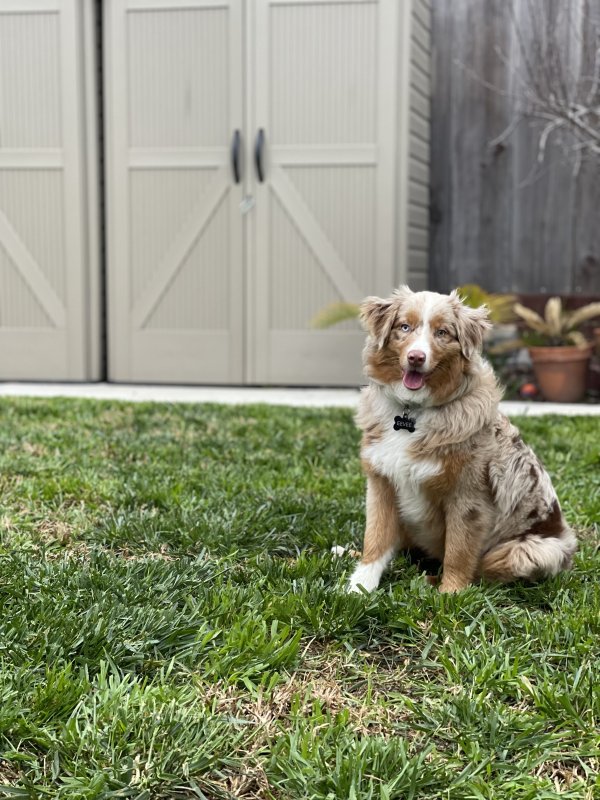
x,y
404,327
441,332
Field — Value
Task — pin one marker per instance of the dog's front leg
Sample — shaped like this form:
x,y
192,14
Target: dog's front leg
x,y
461,550
382,534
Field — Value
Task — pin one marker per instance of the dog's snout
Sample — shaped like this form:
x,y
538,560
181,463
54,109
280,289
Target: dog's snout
x,y
416,358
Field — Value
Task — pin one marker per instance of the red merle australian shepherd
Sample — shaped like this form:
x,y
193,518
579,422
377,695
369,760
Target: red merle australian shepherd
x,y
446,471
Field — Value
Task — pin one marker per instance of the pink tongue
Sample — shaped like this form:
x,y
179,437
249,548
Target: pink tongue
x,y
413,380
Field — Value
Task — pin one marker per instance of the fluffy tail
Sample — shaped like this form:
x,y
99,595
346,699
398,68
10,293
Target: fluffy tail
x,y
531,557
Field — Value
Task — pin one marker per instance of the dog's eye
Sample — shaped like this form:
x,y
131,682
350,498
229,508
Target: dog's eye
x,y
405,327
441,332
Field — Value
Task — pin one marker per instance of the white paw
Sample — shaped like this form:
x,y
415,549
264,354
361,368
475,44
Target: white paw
x,y
338,550
365,576
369,575
355,588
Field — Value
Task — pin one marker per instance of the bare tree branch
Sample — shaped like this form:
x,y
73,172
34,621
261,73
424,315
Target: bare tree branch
x,y
555,75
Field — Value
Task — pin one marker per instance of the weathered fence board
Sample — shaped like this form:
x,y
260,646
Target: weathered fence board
x,y
498,218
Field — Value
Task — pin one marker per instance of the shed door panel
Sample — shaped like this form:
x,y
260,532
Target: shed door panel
x,y
175,229
44,300
324,220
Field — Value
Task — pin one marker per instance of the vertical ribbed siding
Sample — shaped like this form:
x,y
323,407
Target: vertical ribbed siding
x,y
19,308
323,73
419,140
46,290
299,286
323,91
32,201
342,200
161,204
178,64
174,78
198,297
30,111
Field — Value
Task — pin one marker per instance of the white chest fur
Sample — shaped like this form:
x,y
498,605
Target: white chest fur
x,y
390,457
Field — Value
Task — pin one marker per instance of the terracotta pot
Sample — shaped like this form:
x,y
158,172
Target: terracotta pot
x,y
596,333
561,371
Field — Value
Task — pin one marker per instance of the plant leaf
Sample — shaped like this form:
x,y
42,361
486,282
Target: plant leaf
x,y
582,314
554,317
333,314
500,305
532,319
577,338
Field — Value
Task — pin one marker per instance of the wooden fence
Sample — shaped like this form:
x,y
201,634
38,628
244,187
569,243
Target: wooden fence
x,y
498,218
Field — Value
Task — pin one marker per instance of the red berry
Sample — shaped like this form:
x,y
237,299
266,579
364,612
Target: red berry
x,y
528,390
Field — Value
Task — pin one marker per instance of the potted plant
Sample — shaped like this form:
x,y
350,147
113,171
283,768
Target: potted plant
x,y
559,352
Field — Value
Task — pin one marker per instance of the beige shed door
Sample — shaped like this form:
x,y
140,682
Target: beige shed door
x,y
46,318
216,281
175,266
325,84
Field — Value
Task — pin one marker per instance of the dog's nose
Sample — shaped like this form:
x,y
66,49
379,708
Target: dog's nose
x,y
416,358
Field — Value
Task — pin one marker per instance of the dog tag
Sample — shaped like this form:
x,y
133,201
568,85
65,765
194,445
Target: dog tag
x,y
405,423
247,204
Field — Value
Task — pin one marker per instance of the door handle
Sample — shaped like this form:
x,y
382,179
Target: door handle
x,y
236,146
258,154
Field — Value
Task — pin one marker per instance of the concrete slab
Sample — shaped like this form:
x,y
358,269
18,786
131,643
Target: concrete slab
x,y
513,408
234,395
229,395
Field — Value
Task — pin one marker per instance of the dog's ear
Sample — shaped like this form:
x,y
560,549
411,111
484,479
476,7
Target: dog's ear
x,y
378,316
471,324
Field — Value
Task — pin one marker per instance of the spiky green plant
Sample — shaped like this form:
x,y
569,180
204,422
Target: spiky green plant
x,y
500,305
334,313
557,328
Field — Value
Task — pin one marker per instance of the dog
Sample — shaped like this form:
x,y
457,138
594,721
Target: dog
x,y
446,472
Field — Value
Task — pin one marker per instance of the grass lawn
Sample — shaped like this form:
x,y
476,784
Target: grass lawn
x,y
173,625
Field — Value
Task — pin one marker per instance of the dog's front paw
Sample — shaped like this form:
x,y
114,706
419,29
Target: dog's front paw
x,y
365,576
354,588
358,587
451,587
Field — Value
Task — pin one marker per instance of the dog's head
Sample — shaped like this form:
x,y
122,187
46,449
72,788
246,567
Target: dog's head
x,y
421,343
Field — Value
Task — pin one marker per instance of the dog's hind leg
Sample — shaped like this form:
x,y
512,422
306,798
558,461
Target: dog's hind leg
x,y
383,534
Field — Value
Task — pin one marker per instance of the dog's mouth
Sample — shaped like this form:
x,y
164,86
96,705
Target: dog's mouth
x,y
413,380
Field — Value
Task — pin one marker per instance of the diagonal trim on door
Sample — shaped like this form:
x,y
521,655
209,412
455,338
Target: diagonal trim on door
x,y
176,254
31,272
313,234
